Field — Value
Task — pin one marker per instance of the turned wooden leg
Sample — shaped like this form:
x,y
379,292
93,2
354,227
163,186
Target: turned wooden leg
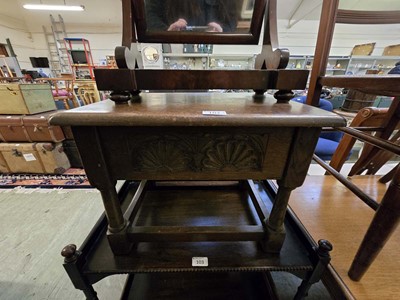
x,y
117,225
97,172
297,165
275,229
383,224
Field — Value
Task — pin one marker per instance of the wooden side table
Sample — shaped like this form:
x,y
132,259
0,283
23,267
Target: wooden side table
x,y
196,136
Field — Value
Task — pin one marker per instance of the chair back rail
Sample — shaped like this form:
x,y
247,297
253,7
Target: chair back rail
x,y
387,216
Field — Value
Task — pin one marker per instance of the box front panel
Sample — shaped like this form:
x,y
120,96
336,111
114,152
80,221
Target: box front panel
x,y
38,98
200,153
21,158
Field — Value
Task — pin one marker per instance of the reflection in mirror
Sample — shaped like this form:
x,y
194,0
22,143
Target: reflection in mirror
x,y
151,54
228,16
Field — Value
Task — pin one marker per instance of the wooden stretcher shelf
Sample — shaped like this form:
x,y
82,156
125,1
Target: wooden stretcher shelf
x,y
95,260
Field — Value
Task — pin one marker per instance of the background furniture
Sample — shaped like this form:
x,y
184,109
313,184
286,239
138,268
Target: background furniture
x,y
87,91
62,90
80,57
388,214
347,65
328,141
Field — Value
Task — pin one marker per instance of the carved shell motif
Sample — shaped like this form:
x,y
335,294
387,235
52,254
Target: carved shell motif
x,y
199,152
162,155
231,155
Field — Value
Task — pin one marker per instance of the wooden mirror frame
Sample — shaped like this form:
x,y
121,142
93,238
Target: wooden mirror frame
x,y
131,78
135,28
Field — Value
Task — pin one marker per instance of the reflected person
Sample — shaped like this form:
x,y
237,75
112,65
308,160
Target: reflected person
x,y
178,15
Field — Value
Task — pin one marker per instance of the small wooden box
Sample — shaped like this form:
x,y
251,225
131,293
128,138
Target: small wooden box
x,y
21,98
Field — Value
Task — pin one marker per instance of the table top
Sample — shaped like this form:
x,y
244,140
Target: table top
x,y
199,109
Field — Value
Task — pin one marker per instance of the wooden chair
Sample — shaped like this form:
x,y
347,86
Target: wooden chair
x,y
63,90
12,79
87,91
387,215
367,118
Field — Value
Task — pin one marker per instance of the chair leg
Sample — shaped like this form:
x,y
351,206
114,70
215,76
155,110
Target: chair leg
x,y
387,177
384,223
66,105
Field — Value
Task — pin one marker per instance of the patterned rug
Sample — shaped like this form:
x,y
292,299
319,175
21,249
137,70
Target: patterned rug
x,y
72,178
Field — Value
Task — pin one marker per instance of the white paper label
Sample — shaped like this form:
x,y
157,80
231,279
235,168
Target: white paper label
x,y
214,112
199,261
29,157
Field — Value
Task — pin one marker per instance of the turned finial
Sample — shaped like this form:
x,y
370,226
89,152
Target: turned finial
x,y
283,96
69,252
324,247
120,97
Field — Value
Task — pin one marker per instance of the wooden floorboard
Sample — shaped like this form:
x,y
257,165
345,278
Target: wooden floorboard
x,y
330,211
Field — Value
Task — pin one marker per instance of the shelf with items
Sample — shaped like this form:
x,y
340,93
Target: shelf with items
x,y
358,65
80,57
185,61
347,65
337,65
206,61
298,61
231,62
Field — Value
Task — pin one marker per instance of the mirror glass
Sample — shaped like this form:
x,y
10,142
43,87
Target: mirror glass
x,y
223,16
195,21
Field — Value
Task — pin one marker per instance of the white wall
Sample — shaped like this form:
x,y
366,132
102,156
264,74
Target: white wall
x,y
102,40
299,39
20,38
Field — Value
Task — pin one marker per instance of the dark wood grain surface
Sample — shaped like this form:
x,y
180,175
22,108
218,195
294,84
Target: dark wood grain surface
x,y
147,79
186,109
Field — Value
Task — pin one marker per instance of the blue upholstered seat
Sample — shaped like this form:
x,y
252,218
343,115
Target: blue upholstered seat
x,y
328,141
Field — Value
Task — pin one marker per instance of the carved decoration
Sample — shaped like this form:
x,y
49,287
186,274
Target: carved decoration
x,y
199,153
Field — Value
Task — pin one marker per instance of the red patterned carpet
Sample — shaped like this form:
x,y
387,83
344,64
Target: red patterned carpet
x,y
72,178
